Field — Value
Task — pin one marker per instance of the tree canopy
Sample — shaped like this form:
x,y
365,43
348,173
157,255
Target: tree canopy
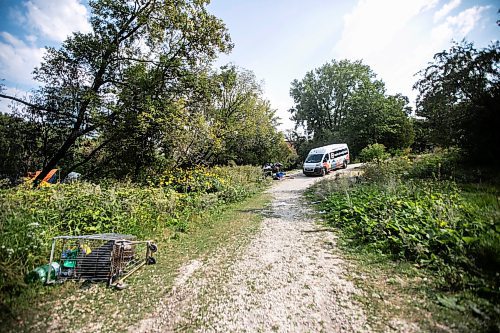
x,y
137,95
344,101
459,94
136,63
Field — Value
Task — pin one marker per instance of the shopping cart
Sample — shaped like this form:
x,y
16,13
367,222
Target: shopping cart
x,y
101,257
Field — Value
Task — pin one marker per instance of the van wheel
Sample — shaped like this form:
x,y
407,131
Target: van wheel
x,y
345,164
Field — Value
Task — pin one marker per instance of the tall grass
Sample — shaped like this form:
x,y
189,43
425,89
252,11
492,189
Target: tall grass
x,y
31,217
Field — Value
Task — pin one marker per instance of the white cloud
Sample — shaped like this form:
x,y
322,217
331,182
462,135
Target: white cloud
x,y
446,9
46,20
396,41
373,24
465,21
56,19
18,59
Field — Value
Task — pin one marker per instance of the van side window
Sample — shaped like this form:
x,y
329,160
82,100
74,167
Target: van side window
x,y
340,152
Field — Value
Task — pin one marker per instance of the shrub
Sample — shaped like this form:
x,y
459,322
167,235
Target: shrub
x,y
441,164
428,222
412,208
200,179
388,170
373,153
31,217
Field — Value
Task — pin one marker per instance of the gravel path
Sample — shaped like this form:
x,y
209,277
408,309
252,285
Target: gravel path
x,y
288,278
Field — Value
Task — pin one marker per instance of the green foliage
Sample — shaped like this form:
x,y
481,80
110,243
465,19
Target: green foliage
x,y
427,222
242,122
221,118
24,144
342,101
137,65
410,208
321,97
442,164
459,94
31,217
373,153
374,117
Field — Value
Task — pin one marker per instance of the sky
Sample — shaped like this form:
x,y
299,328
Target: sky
x,y
279,40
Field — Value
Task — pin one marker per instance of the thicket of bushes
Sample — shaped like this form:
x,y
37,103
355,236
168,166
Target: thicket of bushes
x,y
31,217
413,209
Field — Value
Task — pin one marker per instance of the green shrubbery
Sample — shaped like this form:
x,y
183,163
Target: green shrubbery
x,y
31,217
373,153
440,165
412,209
428,222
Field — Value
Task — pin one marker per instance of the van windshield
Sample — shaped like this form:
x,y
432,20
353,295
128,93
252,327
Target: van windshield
x,y
315,158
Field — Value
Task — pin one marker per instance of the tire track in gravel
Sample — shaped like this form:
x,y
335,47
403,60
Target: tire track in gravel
x,y
289,278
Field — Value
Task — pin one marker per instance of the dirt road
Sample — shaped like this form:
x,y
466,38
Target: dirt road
x,y
289,278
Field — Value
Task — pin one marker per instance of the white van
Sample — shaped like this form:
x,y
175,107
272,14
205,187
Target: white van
x,y
321,160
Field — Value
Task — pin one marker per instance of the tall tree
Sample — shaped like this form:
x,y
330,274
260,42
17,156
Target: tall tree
x,y
243,120
343,101
83,80
18,140
376,118
321,96
459,94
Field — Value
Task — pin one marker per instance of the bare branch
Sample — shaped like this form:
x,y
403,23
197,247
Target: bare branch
x,y
38,107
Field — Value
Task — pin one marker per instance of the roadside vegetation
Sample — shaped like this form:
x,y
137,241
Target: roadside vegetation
x,y
432,213
162,211
166,146
427,204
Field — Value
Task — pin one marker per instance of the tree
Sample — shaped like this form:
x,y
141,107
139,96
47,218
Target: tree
x,y
18,139
343,101
85,79
375,152
243,121
459,94
321,97
376,118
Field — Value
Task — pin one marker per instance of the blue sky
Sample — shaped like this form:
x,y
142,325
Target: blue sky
x,y
279,40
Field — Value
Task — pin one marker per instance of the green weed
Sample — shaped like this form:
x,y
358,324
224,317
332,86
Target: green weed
x,y
412,210
31,217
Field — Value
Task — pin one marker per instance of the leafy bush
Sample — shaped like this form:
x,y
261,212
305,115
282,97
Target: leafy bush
x,y
199,179
411,208
31,217
441,164
373,153
428,222
387,170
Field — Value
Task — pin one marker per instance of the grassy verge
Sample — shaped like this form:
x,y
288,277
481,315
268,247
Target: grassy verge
x,y
398,296
427,247
31,217
68,307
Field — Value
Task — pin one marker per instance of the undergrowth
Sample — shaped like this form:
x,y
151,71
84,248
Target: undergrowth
x,y
414,210
31,217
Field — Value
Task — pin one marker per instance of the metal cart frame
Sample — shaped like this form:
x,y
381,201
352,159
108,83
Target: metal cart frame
x,y
101,257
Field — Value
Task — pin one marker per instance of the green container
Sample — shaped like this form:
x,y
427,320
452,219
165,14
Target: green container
x,y
41,272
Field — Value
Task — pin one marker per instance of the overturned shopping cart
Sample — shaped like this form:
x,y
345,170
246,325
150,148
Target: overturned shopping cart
x,y
101,257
